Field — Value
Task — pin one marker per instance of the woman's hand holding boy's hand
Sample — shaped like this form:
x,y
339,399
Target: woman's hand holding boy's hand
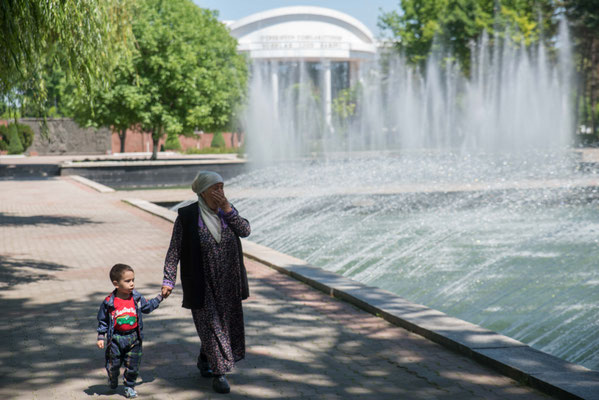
x,y
166,291
100,344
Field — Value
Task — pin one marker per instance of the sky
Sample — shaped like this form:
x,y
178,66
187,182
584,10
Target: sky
x,y
365,11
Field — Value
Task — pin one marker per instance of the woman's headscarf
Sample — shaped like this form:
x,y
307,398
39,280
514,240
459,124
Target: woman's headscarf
x,y
203,180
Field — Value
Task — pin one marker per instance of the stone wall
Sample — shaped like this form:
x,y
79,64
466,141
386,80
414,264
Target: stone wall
x,y
66,137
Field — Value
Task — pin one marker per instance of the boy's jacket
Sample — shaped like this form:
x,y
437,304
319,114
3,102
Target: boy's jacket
x,y
106,320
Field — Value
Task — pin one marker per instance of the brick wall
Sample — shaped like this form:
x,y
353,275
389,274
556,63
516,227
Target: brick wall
x,y
137,141
66,137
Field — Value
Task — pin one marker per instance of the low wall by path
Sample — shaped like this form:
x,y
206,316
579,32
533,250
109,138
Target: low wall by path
x,y
510,357
66,137
141,174
26,171
119,173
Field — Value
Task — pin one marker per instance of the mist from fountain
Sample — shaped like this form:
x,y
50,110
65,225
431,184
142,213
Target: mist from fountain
x,y
516,100
460,194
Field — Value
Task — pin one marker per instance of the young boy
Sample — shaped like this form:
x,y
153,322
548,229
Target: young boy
x,y
120,322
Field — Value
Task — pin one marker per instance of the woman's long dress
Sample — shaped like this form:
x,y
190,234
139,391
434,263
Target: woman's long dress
x,y
220,321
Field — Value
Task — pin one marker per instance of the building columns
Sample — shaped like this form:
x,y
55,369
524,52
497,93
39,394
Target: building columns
x,y
274,84
327,93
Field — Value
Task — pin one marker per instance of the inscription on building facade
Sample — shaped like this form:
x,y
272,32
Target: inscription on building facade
x,y
270,42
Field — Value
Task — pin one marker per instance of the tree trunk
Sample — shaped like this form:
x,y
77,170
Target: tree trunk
x,y
594,78
122,137
155,141
578,97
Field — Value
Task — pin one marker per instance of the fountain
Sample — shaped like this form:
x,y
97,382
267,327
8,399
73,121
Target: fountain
x,y
515,101
460,194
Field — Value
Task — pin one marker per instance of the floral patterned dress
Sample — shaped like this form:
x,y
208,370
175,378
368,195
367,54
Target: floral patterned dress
x,y
220,321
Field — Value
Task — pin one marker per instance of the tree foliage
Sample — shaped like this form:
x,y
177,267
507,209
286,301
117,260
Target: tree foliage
x,y
584,21
82,36
116,107
190,73
184,75
453,25
52,103
344,109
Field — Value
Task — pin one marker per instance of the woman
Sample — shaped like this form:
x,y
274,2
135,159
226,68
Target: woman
x,y
206,241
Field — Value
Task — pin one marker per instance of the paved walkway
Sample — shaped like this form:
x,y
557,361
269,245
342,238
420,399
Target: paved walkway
x,y
58,239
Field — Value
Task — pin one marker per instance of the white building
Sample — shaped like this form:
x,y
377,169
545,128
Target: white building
x,y
332,43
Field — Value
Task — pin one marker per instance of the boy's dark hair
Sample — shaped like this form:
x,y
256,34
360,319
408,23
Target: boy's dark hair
x,y
117,271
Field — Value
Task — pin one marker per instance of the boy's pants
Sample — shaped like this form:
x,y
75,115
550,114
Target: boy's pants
x,y
124,349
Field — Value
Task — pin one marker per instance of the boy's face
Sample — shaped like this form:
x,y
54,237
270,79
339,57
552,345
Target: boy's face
x,y
126,284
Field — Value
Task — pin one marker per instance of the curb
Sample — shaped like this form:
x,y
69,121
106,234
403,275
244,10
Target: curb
x,y
112,163
94,185
508,356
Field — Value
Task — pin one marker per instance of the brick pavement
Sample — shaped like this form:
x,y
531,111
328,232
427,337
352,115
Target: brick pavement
x,y
58,240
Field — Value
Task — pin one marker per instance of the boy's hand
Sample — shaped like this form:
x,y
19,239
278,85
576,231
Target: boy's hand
x,y
100,344
166,291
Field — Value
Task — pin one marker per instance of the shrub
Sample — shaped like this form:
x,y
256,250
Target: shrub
x,y
3,137
218,140
172,143
23,138
14,142
211,150
26,135
241,151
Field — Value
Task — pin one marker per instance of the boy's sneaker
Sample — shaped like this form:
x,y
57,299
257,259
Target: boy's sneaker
x,y
113,383
130,393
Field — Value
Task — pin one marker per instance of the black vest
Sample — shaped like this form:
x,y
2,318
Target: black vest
x,y
192,270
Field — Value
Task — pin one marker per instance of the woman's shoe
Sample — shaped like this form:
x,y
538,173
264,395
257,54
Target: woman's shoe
x,y
220,384
204,368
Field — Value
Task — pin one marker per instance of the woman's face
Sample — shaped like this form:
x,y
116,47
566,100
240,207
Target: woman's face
x,y
217,187
208,194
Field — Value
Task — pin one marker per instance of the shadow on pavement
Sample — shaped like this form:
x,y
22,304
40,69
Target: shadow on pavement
x,y
18,271
292,352
15,220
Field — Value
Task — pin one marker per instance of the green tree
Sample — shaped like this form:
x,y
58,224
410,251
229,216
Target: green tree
x,y
190,74
453,25
52,104
583,16
82,36
344,109
117,107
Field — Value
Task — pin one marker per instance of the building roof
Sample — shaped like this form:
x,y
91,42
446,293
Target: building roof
x,y
303,32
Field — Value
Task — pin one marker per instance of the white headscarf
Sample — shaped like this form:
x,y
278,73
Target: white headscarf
x,y
203,180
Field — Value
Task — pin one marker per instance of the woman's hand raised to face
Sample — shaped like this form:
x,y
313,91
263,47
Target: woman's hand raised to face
x,y
221,200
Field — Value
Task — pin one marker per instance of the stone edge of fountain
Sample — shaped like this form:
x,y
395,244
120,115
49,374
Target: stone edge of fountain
x,y
509,357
